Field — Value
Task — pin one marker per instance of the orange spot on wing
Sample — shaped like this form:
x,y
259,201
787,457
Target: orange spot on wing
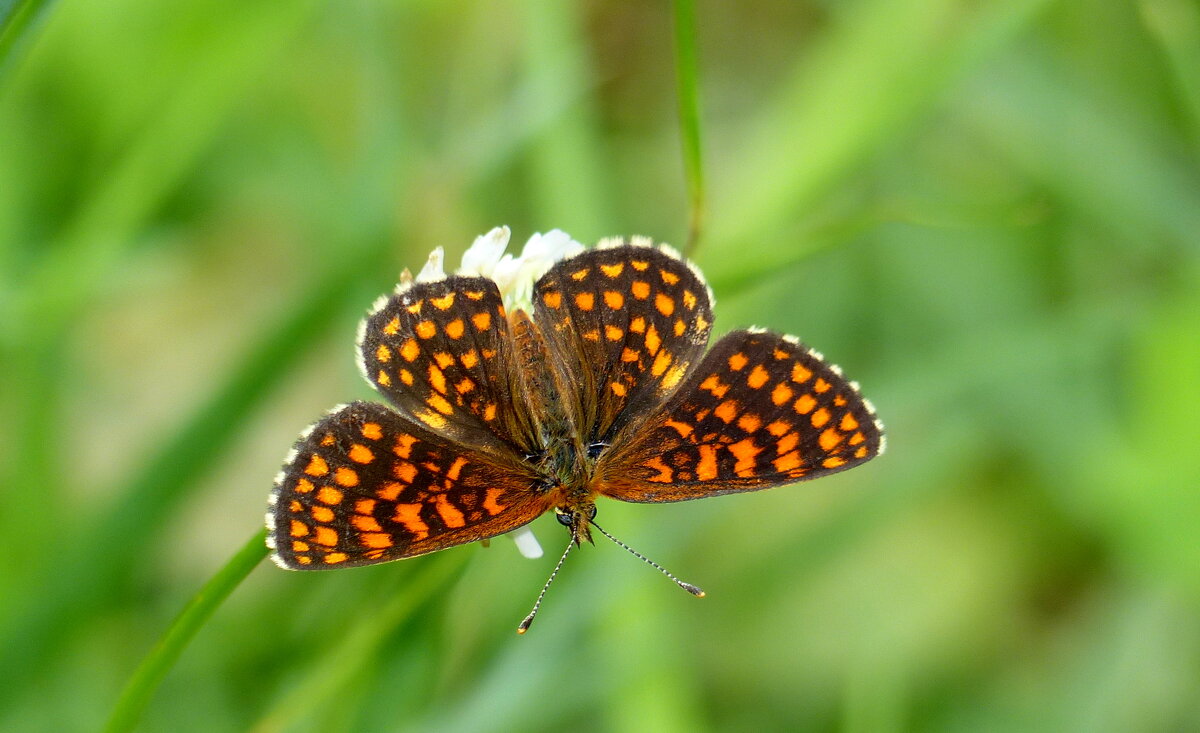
x,y
668,277
491,502
680,326
409,515
489,412
613,270
745,451
298,546
706,469
437,379
346,476
800,373
415,307
861,452
585,301
781,394
833,462
727,410
456,328
664,471
619,389
443,359
640,265
613,299
330,495
371,431
778,428
821,386
303,486
304,560
805,404
712,383
364,506
439,403
856,439
404,444
361,454
404,471
749,423
787,462
466,385
364,523
640,289
628,355
426,329
444,302
580,274
829,439
383,353
674,376
638,325
482,320
406,377
661,362
758,377
450,514
389,491
474,294
787,443
684,429
299,529
738,362
592,335
820,417
383,378
469,359
552,299
848,423
326,536
392,327
455,468
375,540
664,303
410,350
317,466
652,340
612,333
334,558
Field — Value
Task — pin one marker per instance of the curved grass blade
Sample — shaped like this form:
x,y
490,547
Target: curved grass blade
x,y
163,656
687,91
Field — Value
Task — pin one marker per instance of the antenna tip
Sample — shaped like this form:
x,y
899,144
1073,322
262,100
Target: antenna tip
x,y
692,589
524,625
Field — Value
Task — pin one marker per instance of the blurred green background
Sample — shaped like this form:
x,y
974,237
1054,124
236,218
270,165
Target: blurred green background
x,y
986,212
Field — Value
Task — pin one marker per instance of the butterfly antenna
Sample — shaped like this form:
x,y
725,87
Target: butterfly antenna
x,y
686,586
524,626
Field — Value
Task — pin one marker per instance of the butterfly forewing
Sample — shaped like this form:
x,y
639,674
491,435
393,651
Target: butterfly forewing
x,y
623,322
441,352
366,485
760,410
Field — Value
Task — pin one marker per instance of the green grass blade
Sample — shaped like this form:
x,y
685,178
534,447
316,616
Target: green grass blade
x,y
162,657
687,91
339,666
107,554
17,19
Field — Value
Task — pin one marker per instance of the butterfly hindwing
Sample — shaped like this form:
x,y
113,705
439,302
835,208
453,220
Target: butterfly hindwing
x,y
760,410
624,322
365,485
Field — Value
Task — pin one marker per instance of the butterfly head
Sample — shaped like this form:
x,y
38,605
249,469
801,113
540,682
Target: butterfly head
x,y
577,516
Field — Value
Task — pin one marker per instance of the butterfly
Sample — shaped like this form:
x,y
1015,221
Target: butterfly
x,y
598,385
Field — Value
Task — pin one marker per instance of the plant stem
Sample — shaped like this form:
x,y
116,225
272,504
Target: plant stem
x,y
689,117
162,657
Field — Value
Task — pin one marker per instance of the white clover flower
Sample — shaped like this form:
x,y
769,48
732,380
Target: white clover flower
x,y
515,275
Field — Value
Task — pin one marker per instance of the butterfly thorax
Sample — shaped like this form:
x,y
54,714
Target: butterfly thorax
x,y
559,455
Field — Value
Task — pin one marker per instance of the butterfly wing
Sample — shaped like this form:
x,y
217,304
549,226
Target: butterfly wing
x,y
368,485
760,410
442,353
623,323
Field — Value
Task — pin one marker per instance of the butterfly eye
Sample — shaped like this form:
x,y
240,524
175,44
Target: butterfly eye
x,y
595,449
564,518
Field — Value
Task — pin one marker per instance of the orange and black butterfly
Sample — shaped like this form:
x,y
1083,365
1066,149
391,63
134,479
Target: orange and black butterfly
x,y
602,388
